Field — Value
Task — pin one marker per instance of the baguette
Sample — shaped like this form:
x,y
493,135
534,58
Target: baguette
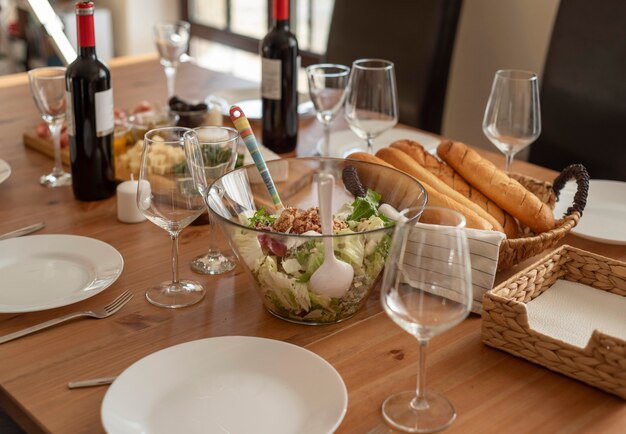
x,y
397,188
396,156
509,194
399,160
449,176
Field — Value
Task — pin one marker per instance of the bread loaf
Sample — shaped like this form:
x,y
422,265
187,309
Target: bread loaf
x,y
396,156
450,177
397,187
509,194
434,197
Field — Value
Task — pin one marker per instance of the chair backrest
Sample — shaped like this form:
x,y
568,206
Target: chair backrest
x,y
583,90
417,35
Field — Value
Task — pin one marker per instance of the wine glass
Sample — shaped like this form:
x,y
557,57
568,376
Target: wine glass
x,y
371,101
327,89
211,152
47,85
426,289
512,118
167,197
172,40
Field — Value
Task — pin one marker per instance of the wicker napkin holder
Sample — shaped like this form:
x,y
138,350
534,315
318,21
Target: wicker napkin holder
x,y
515,250
602,363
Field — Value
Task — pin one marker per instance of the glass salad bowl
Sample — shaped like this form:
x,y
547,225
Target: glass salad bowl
x,y
281,264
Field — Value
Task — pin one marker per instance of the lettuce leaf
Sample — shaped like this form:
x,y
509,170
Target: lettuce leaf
x,y
288,292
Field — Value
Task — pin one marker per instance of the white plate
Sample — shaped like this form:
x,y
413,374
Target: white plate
x,y
249,100
5,171
343,143
40,272
232,384
604,217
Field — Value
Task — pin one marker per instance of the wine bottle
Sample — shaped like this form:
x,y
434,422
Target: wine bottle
x,y
90,120
279,90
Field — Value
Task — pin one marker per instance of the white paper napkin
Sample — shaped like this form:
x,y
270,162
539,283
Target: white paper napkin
x,y
570,312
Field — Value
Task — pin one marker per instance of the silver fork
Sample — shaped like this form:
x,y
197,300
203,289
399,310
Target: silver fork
x,y
102,312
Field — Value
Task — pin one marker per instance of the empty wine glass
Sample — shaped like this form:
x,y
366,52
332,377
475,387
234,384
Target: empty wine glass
x,y
211,152
167,197
426,289
172,40
371,101
48,88
512,118
327,89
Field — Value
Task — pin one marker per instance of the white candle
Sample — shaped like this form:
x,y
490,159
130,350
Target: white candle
x,y
127,210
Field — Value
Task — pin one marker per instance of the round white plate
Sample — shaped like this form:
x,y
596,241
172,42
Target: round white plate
x,y
40,272
604,217
345,142
232,384
249,100
5,171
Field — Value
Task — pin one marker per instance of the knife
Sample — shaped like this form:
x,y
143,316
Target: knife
x,y
23,231
91,383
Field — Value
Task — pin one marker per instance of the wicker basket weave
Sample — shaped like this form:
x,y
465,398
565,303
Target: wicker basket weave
x,y
505,321
515,250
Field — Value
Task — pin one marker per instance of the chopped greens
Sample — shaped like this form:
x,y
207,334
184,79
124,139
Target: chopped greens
x,y
282,266
261,217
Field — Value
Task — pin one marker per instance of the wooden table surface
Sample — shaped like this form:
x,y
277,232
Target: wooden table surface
x,y
491,390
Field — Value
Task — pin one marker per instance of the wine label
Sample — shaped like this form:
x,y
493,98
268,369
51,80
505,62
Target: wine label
x,y
270,78
69,114
105,120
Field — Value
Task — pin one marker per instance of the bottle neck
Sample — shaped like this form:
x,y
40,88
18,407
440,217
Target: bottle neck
x,y
86,36
280,13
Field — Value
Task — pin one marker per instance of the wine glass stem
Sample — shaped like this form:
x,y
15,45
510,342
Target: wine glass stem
x,y
213,250
326,150
170,74
419,402
55,132
370,145
509,162
174,258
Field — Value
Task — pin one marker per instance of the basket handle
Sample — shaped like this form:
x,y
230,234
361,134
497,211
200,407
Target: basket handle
x,y
580,174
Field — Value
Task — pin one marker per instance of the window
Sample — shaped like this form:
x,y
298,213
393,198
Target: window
x,y
226,33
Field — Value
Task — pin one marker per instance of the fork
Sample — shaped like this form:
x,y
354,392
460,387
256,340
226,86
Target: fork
x,y
102,312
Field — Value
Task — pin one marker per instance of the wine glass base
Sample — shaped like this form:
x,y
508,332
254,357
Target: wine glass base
x,y
401,414
175,295
213,264
56,179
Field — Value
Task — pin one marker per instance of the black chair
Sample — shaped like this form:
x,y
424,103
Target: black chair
x,y
417,35
583,90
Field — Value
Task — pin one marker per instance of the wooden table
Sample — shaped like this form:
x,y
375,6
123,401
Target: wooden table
x,y
491,390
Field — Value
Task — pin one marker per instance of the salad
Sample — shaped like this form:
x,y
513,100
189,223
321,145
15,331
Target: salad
x,y
282,264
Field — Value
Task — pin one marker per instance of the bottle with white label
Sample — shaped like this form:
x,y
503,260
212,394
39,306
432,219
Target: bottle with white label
x,y
279,89
90,120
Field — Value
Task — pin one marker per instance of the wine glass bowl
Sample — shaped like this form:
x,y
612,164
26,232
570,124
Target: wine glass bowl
x,y
327,90
426,290
371,101
172,40
211,152
166,196
142,122
47,86
512,118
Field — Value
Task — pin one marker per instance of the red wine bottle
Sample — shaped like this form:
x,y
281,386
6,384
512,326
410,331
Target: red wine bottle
x,y
279,89
90,120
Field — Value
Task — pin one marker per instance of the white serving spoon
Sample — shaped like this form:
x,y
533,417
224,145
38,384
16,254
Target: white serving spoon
x,y
334,277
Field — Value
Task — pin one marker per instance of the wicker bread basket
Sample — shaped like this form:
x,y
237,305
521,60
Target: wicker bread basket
x,y
515,250
602,363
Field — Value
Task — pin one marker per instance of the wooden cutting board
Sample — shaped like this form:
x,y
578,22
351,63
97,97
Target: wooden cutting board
x,y
45,146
